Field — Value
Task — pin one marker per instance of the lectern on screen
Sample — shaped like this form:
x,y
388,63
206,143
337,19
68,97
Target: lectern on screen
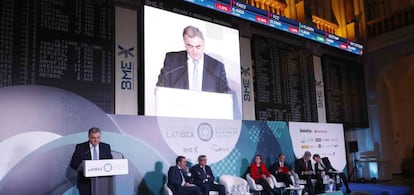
x,y
193,104
163,33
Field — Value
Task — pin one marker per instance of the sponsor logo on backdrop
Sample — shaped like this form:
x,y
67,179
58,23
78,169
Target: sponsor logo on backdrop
x,y
321,131
205,131
305,131
318,140
218,148
192,137
331,146
180,132
226,132
190,149
306,146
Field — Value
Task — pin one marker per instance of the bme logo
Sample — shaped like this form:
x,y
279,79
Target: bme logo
x,y
127,67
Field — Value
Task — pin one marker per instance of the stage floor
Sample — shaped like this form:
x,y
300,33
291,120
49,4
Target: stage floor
x,y
399,185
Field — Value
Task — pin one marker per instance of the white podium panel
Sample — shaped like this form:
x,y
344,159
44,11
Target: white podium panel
x,y
173,102
110,167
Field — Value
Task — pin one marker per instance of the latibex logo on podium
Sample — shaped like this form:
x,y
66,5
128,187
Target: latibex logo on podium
x,y
107,167
95,169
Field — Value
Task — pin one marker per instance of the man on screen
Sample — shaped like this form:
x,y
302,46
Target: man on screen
x,y
93,149
193,69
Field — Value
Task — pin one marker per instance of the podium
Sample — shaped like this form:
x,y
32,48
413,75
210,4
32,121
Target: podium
x,y
193,104
101,172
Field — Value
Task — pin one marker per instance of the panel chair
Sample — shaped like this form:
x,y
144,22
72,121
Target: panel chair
x,y
277,185
252,184
168,191
233,183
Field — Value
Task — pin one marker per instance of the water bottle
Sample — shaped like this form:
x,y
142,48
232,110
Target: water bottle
x,y
233,190
242,189
238,188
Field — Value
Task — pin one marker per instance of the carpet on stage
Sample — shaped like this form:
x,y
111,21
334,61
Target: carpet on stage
x,y
375,189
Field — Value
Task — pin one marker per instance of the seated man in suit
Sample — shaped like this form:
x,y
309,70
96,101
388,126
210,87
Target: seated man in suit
x,y
203,177
323,166
281,170
193,69
304,169
179,180
93,149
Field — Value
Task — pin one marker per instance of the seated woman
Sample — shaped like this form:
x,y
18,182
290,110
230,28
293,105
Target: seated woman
x,y
260,174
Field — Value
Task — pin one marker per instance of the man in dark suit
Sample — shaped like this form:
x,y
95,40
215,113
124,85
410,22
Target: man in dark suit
x,y
281,170
179,180
323,166
93,149
203,177
304,169
192,69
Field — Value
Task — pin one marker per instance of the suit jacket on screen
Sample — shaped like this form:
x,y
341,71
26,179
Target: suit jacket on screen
x,y
174,73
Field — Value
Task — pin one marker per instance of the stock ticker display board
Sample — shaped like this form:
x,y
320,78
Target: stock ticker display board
x,y
253,14
345,97
66,44
284,82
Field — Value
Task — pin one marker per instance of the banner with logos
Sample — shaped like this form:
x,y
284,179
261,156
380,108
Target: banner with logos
x,y
247,79
325,139
126,62
320,92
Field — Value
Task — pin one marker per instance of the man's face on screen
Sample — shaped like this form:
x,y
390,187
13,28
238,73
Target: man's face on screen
x,y
194,46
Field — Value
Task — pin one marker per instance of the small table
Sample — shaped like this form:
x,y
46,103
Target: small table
x,y
297,188
335,175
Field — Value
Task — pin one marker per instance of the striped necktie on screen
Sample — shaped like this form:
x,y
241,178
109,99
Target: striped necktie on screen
x,y
196,79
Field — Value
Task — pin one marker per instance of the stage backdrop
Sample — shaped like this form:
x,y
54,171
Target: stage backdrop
x,y
39,127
